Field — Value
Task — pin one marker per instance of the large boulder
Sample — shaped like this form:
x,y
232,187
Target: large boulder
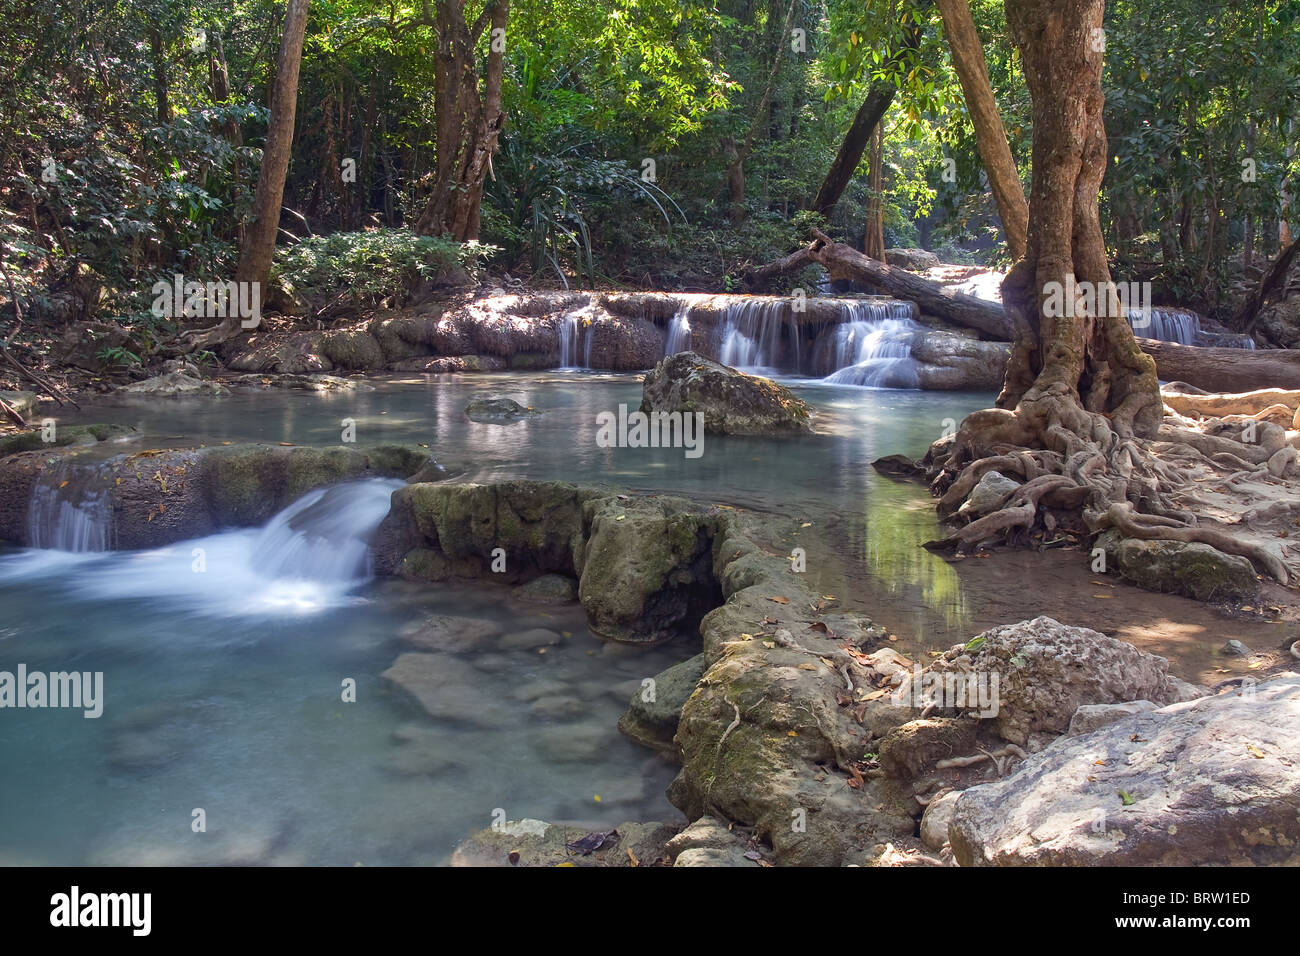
x,y
1209,782
1040,672
296,353
730,402
352,349
646,568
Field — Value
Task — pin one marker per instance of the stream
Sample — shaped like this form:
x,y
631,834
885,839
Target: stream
x,y
223,691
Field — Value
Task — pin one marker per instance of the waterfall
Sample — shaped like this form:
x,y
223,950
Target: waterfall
x,y
873,346
751,334
307,558
570,333
679,331
1167,325
69,511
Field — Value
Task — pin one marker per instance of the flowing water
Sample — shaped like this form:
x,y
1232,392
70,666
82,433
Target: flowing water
x,y
225,658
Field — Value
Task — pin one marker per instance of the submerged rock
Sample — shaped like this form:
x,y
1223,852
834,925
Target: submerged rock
x,y
730,402
655,710
444,687
1210,782
548,589
446,632
497,410
1192,569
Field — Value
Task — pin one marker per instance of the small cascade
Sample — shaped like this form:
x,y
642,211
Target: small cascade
x,y
751,334
323,536
307,558
679,331
1167,325
570,333
70,511
872,346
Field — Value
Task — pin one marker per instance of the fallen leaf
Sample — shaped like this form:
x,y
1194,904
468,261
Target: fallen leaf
x,y
779,600
795,733
632,856
593,841
807,667
513,857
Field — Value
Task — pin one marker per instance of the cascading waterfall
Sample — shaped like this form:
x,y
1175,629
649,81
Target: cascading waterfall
x,y
1167,325
1183,327
70,511
751,334
570,333
679,331
307,558
873,346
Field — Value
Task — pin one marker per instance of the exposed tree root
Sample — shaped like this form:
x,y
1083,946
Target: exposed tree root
x,y
1073,462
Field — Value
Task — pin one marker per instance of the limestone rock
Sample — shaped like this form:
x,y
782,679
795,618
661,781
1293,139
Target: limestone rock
x,y
731,402
1046,670
1209,782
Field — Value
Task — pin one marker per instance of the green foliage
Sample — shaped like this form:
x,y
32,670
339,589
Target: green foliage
x,y
366,267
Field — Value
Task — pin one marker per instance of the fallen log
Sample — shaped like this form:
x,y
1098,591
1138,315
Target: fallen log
x,y
987,317
1225,370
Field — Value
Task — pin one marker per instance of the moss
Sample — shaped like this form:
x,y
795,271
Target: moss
x,y
397,461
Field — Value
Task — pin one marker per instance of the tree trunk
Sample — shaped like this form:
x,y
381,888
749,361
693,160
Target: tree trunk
x,y
872,110
468,124
990,135
1064,369
933,298
736,168
258,247
1271,284
873,239
160,93
870,113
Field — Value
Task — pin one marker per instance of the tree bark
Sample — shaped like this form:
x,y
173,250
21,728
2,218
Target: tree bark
x,y
933,298
990,135
873,238
259,242
468,124
1066,368
159,52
